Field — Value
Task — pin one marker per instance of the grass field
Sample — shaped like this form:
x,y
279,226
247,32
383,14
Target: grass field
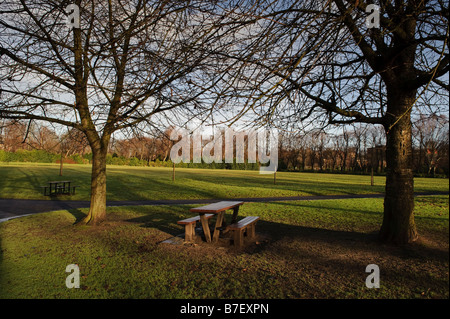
x,y
304,249
314,249
130,183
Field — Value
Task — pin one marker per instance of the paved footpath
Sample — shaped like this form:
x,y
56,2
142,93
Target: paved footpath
x,y
13,208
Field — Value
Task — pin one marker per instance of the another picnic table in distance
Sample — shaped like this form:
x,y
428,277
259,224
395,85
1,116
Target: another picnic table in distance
x,y
59,188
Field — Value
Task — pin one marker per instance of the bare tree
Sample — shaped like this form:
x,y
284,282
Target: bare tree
x,y
13,135
128,63
342,147
42,137
377,149
290,148
432,139
319,61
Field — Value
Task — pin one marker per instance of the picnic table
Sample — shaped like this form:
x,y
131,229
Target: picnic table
x,y
59,188
218,209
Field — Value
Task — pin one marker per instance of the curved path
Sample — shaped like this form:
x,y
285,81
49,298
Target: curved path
x,y
13,208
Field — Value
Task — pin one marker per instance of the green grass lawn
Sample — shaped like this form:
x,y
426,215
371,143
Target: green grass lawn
x,y
145,183
307,249
304,249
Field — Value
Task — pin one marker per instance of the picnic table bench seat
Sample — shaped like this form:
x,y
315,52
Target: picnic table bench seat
x,y
247,224
189,226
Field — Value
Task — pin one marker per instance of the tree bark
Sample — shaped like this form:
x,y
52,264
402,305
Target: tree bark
x,y
61,165
398,223
97,209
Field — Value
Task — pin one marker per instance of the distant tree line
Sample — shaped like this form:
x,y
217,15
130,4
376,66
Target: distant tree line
x,y
352,149
362,148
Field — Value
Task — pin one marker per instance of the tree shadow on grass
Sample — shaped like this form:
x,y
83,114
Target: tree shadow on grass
x,y
327,254
270,234
317,255
78,214
323,254
163,218
160,222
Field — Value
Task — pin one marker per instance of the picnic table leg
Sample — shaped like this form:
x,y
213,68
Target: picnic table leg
x,y
205,226
238,237
218,225
235,214
251,231
189,233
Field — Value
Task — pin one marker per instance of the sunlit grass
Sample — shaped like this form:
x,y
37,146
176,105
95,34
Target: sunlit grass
x,y
154,183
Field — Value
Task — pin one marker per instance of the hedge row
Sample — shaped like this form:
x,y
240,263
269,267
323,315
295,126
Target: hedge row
x,y
40,156
35,156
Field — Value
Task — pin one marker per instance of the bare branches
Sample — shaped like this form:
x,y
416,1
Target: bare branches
x,y
127,62
295,60
323,51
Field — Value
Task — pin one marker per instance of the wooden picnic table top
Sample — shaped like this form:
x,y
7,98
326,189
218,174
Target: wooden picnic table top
x,y
56,182
216,207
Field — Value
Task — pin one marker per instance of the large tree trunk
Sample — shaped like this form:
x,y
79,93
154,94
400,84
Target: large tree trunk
x,y
97,210
398,222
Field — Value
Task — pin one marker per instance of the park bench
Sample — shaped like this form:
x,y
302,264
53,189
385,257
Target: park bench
x,y
244,226
189,226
